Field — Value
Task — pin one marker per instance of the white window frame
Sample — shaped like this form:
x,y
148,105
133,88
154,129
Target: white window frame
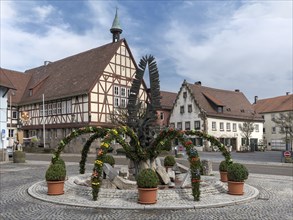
x,y
50,109
54,108
41,110
221,126
116,102
59,108
116,90
63,107
179,127
197,125
187,125
214,126
123,103
123,91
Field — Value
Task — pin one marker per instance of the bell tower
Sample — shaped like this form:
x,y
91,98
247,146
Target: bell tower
x,y
116,28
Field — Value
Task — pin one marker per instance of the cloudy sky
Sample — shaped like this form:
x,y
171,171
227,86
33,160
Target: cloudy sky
x,y
244,45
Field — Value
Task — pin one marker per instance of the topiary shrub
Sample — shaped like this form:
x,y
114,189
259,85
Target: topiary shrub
x,y
56,172
223,166
109,159
147,178
61,162
169,161
237,172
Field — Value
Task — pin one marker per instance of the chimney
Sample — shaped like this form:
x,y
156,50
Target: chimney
x,y
287,93
46,63
198,83
255,99
237,90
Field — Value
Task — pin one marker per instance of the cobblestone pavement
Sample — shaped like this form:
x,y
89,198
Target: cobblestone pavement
x,y
275,200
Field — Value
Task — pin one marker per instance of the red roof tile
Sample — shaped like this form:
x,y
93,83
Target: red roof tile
x,y
4,79
235,104
168,99
276,104
74,75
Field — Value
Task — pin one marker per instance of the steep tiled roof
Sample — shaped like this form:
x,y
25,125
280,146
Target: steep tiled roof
x,y
168,99
74,75
4,79
235,104
20,81
276,104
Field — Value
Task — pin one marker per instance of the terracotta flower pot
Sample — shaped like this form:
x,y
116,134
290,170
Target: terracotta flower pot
x,y
147,195
224,176
235,188
55,187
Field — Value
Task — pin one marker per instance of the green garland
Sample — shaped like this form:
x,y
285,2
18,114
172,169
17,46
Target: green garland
x,y
135,152
72,135
100,134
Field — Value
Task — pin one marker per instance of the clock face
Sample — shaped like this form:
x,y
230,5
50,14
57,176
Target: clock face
x,y
25,116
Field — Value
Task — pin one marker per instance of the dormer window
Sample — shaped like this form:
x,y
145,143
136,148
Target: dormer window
x,y
30,92
220,109
242,110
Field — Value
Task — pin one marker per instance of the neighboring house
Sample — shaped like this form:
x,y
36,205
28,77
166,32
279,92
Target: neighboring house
x,y
77,91
167,102
271,108
20,81
5,86
216,112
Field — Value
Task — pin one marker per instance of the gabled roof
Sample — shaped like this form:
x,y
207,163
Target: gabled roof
x,y
168,99
19,81
234,103
276,104
4,80
74,75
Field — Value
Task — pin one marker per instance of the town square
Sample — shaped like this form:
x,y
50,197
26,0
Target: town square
x,y
106,116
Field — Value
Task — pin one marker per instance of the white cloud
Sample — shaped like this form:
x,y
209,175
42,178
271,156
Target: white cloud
x,y
43,11
251,47
221,44
23,49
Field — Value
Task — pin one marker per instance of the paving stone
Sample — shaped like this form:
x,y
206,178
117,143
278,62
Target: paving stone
x,y
274,201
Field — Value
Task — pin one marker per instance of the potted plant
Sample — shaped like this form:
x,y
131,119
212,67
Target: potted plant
x,y
223,171
169,161
147,183
237,174
55,177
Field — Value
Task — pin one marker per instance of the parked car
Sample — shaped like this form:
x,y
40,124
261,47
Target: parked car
x,y
9,151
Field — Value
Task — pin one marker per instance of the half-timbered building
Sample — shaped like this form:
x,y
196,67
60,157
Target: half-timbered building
x,y
77,91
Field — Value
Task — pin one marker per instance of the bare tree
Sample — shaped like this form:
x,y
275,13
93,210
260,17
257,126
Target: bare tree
x,y
246,128
284,121
119,115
